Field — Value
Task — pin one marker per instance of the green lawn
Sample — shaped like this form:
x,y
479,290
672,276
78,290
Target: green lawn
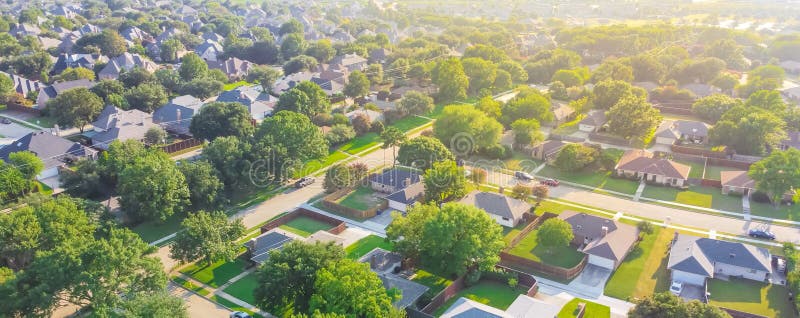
x,y
190,286
305,226
216,274
233,307
360,143
706,197
366,245
713,172
750,296
491,293
361,199
786,212
435,282
569,127
601,180
592,310
243,288
231,86
152,231
44,121
697,168
644,271
409,123
509,233
565,256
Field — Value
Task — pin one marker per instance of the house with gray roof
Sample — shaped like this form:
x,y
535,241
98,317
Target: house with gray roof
x,y
405,198
353,62
385,264
87,61
134,34
46,93
233,67
505,210
691,131
258,103
466,308
258,248
126,62
547,150
55,152
522,307
209,50
176,116
22,29
593,121
393,180
605,241
117,124
22,85
693,260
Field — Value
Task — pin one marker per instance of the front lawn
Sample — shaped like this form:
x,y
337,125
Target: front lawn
x,y
434,282
785,212
366,245
190,286
152,231
44,121
596,179
217,273
243,288
305,226
361,199
491,293
360,143
232,306
706,197
750,296
644,271
591,310
564,257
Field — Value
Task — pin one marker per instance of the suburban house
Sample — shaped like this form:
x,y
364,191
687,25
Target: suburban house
x,y
371,114
694,259
126,62
54,151
393,180
209,50
22,85
289,81
637,163
736,182
87,61
547,150
234,68
701,90
505,210
258,248
690,131
380,55
46,93
790,66
647,85
386,264
134,34
593,121
22,29
405,198
353,62
258,103
606,241
176,116
522,307
117,124
792,141
562,113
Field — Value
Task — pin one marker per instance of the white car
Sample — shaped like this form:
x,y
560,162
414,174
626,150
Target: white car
x,y
239,314
676,288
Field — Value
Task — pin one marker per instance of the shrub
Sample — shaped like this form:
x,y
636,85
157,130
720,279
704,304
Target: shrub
x,y
645,227
472,277
512,282
495,152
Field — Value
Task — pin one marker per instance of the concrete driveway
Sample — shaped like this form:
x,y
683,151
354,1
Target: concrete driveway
x,y
14,130
591,281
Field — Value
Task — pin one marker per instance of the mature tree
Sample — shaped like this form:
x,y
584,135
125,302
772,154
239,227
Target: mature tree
x,y
263,52
201,87
726,82
27,163
349,287
422,152
230,157
777,174
164,194
361,124
502,82
159,304
286,279
712,107
293,139
205,187
451,240
76,107
192,66
12,182
451,79
444,181
291,26
20,235
466,129
298,64
569,78
31,65
729,51
294,100
702,70
667,305
337,177
322,50
264,75
169,50
481,73
633,118
541,192
415,103
146,97
545,63
554,233
6,86
521,192
357,85
486,52
318,101
220,119
558,91
771,101
526,132
105,88
532,106
292,45
135,77
574,157
392,138
613,70
748,130
647,68
155,135
488,105
607,93
518,74
208,237
374,73
339,134
72,74
109,42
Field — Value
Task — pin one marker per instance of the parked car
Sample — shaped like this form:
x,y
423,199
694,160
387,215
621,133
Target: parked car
x,y
676,287
762,234
521,175
304,181
549,182
5,121
239,314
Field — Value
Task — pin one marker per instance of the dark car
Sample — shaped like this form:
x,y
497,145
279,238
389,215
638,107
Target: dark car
x,y
5,121
523,176
762,234
549,182
239,314
304,181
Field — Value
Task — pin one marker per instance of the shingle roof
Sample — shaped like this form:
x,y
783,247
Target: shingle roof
x,y
187,105
736,178
253,97
52,149
698,255
643,161
395,178
261,245
691,127
465,308
614,245
497,204
127,61
23,85
118,124
595,118
408,195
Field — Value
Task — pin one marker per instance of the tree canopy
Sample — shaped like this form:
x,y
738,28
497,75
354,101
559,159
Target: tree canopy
x,y
422,152
207,237
219,119
777,174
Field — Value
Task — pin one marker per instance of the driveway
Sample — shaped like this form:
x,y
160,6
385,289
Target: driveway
x,y
14,130
591,281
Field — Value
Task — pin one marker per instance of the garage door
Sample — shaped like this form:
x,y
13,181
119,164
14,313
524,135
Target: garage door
x,y
397,206
688,278
601,261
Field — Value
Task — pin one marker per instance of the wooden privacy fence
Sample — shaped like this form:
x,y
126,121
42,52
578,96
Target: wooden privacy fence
x,y
535,222
331,202
526,265
337,226
181,145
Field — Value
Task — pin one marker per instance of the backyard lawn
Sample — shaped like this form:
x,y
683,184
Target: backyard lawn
x,y
706,197
592,310
601,180
434,282
366,245
750,296
697,168
644,271
361,199
243,288
565,257
713,172
497,295
216,274
231,86
305,226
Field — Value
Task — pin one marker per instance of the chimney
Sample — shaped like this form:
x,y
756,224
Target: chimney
x,y
604,231
178,114
732,255
373,261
